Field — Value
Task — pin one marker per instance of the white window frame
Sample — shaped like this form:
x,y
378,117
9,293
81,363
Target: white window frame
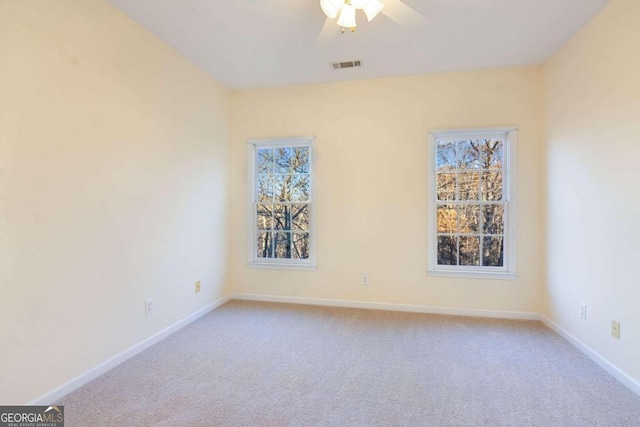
x,y
278,263
510,180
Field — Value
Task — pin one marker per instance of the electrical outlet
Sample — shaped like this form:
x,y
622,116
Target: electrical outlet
x,y
198,286
365,280
615,329
583,311
148,307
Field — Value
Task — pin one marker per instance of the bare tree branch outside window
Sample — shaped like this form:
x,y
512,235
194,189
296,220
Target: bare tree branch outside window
x,y
470,202
282,204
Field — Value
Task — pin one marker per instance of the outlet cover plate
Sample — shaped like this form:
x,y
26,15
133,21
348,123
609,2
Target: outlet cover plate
x,y
583,311
615,329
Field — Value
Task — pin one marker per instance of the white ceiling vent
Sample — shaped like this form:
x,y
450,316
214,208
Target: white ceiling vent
x,y
347,64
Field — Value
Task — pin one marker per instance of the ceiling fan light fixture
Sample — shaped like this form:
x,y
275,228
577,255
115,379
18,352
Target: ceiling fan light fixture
x,y
359,4
331,8
372,9
347,17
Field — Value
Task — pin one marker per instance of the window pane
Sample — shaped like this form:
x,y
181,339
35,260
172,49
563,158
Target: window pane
x,y
447,219
447,250
469,154
470,200
281,217
283,160
492,154
493,219
300,160
469,217
469,185
300,217
265,220
265,245
492,186
300,188
265,160
300,247
445,156
282,188
282,191
265,188
446,186
493,252
282,245
469,250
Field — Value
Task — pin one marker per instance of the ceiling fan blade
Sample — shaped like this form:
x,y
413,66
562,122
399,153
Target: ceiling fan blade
x,y
400,13
329,31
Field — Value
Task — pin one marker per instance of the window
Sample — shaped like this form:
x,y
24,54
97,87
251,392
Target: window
x,y
282,215
472,223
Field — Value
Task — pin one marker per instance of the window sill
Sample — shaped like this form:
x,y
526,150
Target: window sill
x,y
274,266
473,274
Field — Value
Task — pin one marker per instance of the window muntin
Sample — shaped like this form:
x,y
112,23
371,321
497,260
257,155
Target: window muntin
x,y
281,202
471,206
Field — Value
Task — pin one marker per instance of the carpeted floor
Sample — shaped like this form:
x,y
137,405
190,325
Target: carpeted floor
x,y
267,364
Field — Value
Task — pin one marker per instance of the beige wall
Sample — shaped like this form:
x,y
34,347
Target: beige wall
x,y
371,183
113,189
592,96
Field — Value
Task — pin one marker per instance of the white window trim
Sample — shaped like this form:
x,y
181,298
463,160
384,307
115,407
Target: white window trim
x,y
511,163
279,264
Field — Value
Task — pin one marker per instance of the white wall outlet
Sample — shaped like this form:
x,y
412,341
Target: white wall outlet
x,y
198,287
615,329
583,311
365,280
148,307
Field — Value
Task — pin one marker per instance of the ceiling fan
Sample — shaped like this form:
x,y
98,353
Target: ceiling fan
x,y
345,11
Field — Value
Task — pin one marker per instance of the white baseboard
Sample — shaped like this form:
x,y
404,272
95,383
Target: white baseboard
x,y
74,384
520,315
616,372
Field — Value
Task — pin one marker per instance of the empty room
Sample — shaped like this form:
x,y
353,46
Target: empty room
x,y
319,213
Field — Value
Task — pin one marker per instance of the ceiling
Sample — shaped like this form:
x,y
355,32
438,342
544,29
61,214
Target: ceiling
x,y
258,43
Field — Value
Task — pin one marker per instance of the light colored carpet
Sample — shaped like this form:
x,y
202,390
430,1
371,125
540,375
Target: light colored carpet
x,y
267,364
